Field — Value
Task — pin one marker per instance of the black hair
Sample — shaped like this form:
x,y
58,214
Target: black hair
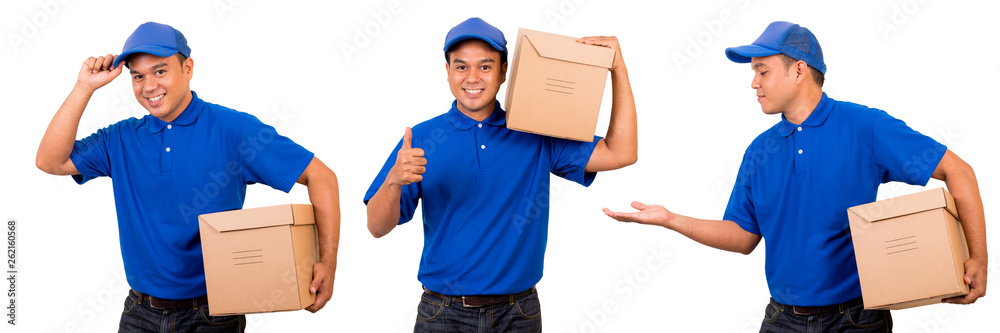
x,y
447,54
180,57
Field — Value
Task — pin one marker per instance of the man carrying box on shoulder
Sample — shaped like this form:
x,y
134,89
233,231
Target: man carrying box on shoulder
x,y
160,167
485,189
799,177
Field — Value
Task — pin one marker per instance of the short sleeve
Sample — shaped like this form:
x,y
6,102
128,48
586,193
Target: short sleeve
x,y
902,154
90,156
570,158
740,208
409,195
270,158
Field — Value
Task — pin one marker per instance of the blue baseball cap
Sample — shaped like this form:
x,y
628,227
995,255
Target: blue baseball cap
x,y
476,28
154,38
782,37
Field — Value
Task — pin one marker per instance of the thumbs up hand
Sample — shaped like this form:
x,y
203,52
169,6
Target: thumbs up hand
x,y
410,163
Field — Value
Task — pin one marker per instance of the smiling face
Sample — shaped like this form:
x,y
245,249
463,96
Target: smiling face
x,y
776,89
161,84
475,73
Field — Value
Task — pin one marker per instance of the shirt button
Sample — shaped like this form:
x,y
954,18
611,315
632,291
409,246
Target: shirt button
x,y
169,127
480,125
800,151
483,146
800,129
168,149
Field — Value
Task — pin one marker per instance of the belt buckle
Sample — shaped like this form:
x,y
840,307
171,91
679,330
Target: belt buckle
x,y
154,304
811,311
469,306
152,301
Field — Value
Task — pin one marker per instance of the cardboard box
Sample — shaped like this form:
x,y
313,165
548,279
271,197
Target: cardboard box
x,y
556,85
259,259
910,250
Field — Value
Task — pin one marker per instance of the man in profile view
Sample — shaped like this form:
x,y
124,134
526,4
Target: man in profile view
x,y
798,178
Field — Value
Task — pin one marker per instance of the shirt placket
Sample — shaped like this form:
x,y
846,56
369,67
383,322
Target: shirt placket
x,y
800,151
167,151
483,146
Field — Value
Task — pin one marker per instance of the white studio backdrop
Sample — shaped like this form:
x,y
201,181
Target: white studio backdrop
x,y
344,78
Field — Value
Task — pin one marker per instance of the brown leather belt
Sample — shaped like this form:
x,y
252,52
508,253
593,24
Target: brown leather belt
x,y
170,304
475,301
812,310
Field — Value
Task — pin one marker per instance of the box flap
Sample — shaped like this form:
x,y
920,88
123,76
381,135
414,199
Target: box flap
x,y
905,205
567,49
303,214
251,218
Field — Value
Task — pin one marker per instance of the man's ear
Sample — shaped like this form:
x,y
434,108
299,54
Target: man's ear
x,y
188,66
503,72
801,68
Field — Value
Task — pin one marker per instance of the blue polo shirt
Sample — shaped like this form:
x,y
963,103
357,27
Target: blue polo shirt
x,y
485,201
166,174
797,181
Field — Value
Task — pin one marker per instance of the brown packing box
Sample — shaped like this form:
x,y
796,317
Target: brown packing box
x,y
259,259
556,85
910,250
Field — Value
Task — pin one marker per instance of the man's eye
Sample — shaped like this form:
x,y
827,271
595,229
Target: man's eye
x,y
485,68
137,77
160,72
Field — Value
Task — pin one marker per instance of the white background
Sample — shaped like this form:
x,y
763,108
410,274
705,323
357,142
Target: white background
x,y
930,63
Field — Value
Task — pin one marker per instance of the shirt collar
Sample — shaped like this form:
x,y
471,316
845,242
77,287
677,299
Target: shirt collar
x,y
815,119
187,117
462,122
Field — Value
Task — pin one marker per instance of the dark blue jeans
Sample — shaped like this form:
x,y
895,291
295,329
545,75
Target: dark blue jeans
x,y
779,318
438,315
143,318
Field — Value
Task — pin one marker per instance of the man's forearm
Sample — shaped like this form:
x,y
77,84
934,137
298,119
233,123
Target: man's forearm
x,y
961,181
964,187
383,209
325,198
723,235
57,143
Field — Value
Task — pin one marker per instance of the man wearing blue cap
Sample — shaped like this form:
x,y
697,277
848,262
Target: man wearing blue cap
x,y
485,189
186,158
799,177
